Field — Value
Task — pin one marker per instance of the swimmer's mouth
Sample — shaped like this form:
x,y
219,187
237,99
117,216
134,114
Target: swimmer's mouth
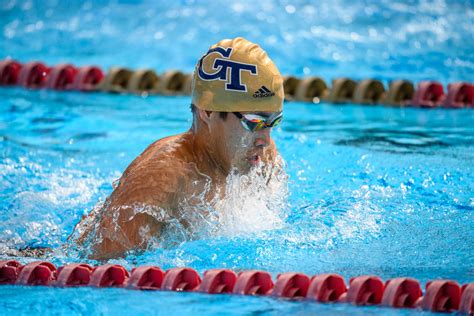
x,y
254,160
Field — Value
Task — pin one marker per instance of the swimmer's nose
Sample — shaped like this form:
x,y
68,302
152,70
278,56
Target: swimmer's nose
x,y
262,137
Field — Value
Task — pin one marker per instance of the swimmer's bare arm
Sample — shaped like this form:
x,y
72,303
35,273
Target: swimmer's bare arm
x,y
134,212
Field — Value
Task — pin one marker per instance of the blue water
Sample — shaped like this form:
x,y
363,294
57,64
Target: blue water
x,y
372,190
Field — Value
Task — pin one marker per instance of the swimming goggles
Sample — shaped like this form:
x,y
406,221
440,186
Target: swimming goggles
x,y
255,122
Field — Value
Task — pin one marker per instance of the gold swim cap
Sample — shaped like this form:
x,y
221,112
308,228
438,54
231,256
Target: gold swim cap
x,y
237,75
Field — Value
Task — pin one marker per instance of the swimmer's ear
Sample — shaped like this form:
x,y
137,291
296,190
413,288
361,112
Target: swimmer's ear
x,y
205,116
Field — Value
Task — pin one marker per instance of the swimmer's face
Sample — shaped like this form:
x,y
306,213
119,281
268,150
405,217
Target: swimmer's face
x,y
238,147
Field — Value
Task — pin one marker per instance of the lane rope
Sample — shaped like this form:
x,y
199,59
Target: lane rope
x,y
427,94
439,295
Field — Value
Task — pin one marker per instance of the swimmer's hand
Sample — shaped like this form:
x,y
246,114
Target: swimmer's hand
x,y
36,252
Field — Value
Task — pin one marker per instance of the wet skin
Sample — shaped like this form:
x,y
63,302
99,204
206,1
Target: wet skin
x,y
167,172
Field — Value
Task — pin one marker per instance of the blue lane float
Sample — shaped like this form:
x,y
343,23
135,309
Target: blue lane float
x,y
427,94
439,296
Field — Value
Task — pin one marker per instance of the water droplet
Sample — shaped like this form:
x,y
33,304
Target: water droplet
x,y
290,9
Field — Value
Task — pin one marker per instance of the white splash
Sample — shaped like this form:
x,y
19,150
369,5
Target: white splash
x,y
251,202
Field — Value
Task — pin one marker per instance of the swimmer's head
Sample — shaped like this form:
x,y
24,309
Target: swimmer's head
x,y
237,75
237,98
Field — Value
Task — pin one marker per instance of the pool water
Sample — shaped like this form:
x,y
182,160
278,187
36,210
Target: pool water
x,y
371,189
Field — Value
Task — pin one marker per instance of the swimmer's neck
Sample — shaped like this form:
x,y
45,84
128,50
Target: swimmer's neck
x,y
206,157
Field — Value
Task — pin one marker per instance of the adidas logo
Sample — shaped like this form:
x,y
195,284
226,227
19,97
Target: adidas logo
x,y
263,92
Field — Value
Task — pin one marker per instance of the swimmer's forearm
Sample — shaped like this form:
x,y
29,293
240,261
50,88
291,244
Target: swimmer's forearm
x,y
132,235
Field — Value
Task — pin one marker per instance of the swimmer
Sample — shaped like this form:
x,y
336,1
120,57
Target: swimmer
x,y
237,97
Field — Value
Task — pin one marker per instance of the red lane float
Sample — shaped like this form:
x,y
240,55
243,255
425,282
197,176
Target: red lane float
x,y
401,293
37,273
467,299
460,95
428,94
109,275
33,75
253,282
181,279
9,72
88,78
291,285
218,281
441,296
326,288
364,290
9,270
74,275
146,278
61,77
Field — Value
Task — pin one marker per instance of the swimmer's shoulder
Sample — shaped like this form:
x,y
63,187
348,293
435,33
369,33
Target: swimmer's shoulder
x,y
165,152
161,167
155,176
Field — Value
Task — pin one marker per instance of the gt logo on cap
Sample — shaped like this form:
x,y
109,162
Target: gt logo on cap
x,y
221,65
